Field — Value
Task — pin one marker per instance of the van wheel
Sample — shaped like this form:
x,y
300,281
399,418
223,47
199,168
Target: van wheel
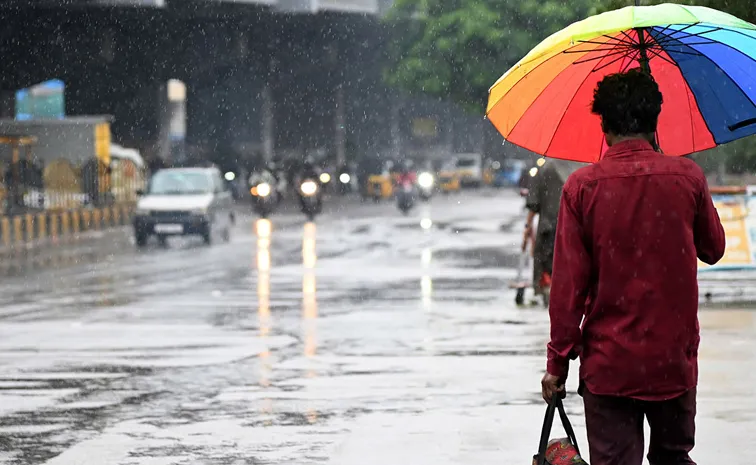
x,y
207,236
140,239
226,235
163,240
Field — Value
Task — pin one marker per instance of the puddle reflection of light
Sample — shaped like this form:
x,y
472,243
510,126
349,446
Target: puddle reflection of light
x,y
426,256
309,295
312,416
263,228
263,231
309,257
426,223
426,291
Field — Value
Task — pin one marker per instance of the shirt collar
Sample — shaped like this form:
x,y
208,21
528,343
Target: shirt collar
x,y
627,147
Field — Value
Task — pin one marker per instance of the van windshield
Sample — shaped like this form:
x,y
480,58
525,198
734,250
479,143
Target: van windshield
x,y
180,183
466,163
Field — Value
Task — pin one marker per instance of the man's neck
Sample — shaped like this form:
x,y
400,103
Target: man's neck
x,y
613,139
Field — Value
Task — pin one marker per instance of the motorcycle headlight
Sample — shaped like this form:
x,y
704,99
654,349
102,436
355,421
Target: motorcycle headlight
x,y
263,189
425,180
308,188
345,178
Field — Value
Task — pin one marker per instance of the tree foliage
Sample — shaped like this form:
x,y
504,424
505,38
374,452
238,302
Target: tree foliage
x,y
743,9
457,48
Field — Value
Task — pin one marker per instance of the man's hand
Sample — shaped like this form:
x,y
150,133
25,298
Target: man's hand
x,y
527,236
551,386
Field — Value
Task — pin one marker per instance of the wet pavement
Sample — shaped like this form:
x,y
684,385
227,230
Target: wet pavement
x,y
366,338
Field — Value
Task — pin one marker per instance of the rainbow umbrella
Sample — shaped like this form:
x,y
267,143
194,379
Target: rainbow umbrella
x,y
702,59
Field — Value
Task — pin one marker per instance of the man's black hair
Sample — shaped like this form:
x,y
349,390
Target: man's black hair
x,y
628,103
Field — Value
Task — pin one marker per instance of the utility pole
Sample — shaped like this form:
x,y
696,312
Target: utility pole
x,y
340,104
268,114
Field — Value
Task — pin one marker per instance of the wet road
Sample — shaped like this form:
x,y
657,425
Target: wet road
x,y
366,338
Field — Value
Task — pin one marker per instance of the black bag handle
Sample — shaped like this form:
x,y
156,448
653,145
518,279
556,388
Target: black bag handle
x,y
554,406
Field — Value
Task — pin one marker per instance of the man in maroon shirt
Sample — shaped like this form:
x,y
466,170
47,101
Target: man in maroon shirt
x,y
629,231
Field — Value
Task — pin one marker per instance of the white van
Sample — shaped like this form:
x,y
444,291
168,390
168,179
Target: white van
x,y
469,167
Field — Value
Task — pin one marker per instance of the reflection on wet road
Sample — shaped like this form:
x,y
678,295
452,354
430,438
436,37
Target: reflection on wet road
x,y
367,337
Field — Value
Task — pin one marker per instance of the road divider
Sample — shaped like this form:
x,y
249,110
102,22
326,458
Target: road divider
x,y
53,227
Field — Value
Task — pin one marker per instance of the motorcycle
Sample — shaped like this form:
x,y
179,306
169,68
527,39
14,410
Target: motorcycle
x,y
345,181
405,198
264,199
310,198
425,183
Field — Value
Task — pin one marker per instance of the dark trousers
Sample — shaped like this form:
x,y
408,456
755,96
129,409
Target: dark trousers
x,y
615,429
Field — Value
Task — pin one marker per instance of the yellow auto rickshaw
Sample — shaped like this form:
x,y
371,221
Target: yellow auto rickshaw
x,y
380,186
490,169
448,181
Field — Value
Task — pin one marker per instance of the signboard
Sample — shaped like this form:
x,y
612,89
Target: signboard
x,y
102,143
424,127
42,101
737,211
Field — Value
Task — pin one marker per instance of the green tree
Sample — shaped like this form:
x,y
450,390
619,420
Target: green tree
x,y
744,9
458,48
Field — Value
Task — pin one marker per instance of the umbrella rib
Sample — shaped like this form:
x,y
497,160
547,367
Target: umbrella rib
x,y
662,30
613,61
598,42
687,35
685,28
657,53
601,57
595,50
630,40
634,57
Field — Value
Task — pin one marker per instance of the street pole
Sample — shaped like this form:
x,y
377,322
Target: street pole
x,y
268,114
396,135
340,129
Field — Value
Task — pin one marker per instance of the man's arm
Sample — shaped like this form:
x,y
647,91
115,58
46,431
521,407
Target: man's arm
x,y
569,286
708,232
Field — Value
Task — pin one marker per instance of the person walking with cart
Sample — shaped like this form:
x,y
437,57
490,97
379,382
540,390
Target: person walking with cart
x,y
544,193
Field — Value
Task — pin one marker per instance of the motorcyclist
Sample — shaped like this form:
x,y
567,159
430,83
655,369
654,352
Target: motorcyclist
x,y
405,174
267,174
311,172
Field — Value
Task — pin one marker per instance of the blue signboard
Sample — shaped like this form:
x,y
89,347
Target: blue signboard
x,y
42,101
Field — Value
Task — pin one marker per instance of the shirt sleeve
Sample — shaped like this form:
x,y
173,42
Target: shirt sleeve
x,y
569,286
708,232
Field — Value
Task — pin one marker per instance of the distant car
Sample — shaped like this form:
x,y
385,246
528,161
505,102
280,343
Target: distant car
x,y
470,169
184,201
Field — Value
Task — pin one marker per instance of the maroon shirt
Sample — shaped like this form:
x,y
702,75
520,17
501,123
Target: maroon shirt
x,y
629,231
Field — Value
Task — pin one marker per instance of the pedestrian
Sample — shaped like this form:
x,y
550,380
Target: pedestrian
x,y
629,231
543,197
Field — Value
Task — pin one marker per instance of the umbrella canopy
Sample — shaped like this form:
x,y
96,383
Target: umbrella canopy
x,y
703,60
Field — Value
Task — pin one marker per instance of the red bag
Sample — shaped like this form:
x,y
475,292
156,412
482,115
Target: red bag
x,y
562,451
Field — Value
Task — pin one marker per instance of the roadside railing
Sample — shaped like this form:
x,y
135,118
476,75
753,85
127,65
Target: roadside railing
x,y
52,226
